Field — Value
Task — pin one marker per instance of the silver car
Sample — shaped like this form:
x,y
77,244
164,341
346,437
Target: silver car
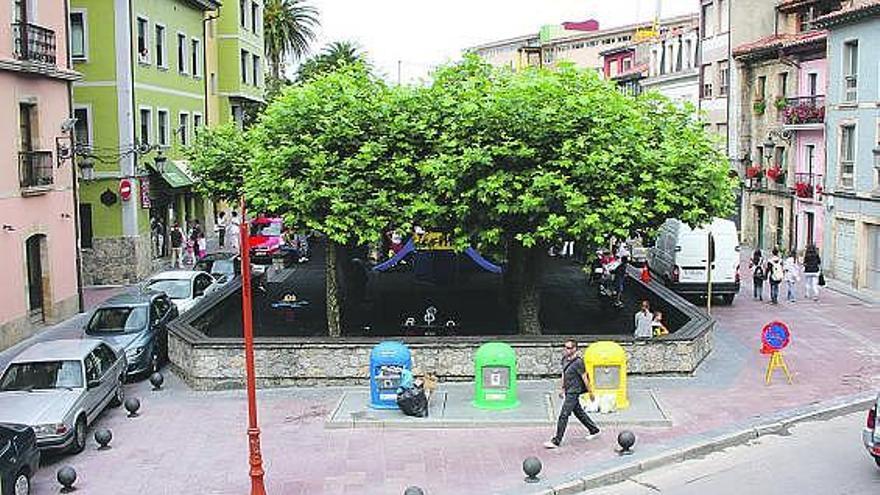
x,y
60,387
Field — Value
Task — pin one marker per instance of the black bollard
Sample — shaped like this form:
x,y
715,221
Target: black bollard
x,y
626,439
132,405
532,466
103,437
156,379
67,477
413,490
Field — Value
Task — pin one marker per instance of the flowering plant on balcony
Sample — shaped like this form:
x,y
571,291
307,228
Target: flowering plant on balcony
x,y
803,190
776,173
754,171
804,113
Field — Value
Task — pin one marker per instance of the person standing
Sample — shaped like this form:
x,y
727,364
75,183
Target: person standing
x,y
812,271
756,263
233,231
791,278
644,322
567,249
575,382
176,246
221,229
775,274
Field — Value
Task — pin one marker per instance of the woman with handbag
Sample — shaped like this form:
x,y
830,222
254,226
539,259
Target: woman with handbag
x,y
812,272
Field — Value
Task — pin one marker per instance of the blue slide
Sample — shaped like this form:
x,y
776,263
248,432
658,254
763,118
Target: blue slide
x,y
409,247
482,262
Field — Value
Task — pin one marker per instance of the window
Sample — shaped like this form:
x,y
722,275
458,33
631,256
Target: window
x,y
107,358
164,127
706,77
82,129
142,41
181,53
724,78
213,84
707,19
244,66
197,121
255,15
85,225
779,157
721,130
761,88
850,70
78,36
183,128
783,84
627,64
805,19
760,153
196,61
723,16
242,13
688,54
780,226
813,83
161,55
237,115
146,120
257,70
847,155
810,153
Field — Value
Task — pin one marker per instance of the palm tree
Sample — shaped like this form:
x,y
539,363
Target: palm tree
x,y
332,57
289,27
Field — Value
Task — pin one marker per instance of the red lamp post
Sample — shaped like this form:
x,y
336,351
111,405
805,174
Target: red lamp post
x,y
255,458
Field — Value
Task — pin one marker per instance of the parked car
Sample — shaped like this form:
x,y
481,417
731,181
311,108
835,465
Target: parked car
x,y
222,265
59,388
266,240
19,458
137,323
871,433
184,287
680,258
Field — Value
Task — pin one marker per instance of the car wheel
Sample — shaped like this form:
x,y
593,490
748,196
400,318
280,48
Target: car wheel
x,y
22,485
728,299
877,460
79,436
119,396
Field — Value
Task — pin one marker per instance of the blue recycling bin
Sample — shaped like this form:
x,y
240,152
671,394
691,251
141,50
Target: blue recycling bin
x,y
387,360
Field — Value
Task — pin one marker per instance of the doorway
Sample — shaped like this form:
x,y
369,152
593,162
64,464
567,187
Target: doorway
x,y
759,222
34,248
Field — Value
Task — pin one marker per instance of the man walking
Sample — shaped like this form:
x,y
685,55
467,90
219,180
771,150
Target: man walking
x,y
776,274
176,246
575,382
221,229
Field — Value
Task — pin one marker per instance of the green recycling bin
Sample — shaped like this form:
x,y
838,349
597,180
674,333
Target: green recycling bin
x,y
495,376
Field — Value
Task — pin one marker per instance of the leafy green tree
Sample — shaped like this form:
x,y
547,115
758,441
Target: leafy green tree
x,y
335,155
218,158
526,159
288,29
334,56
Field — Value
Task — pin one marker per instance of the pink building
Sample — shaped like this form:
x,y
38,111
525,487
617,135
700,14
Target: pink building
x,y
37,185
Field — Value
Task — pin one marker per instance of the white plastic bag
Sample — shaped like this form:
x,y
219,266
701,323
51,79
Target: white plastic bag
x,y
607,403
589,405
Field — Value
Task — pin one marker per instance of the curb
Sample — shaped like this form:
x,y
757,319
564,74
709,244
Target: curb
x,y
720,440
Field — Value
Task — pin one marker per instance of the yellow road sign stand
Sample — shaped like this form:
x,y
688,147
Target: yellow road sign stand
x,y
776,361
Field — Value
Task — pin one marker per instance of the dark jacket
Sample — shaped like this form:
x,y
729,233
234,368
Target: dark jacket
x,y
176,238
812,263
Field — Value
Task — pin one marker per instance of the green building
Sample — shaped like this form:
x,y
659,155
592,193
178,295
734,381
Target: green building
x,y
151,78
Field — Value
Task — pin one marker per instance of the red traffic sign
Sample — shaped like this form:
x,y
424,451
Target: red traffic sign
x,y
775,336
125,189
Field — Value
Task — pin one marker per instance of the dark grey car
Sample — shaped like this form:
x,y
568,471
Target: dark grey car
x,y
138,323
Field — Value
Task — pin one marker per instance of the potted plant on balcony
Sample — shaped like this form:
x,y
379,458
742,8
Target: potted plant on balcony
x,y
780,103
804,113
776,174
803,190
754,171
759,107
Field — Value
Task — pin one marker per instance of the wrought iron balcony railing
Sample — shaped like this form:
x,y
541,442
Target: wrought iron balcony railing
x,y
33,43
804,110
35,168
807,185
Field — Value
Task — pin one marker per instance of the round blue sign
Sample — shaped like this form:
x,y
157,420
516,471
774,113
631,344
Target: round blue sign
x,y
775,336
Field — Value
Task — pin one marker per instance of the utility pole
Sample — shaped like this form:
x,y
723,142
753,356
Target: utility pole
x,y
399,63
711,256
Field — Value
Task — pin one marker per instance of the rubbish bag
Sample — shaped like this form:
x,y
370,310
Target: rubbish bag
x,y
413,402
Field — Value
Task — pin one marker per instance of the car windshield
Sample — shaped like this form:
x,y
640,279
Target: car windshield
x,y
222,267
176,289
44,375
266,229
116,320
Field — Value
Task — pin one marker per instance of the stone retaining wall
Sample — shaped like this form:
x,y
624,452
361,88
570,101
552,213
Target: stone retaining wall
x,y
214,363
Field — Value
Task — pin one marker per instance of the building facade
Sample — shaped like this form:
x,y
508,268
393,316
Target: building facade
x,y
142,98
672,65
713,62
37,184
852,223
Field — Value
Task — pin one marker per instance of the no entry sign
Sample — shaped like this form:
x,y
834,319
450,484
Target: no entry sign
x,y
125,189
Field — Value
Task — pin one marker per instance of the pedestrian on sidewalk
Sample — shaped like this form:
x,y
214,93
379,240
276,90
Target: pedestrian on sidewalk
x,y
756,263
575,381
644,320
197,237
567,249
232,231
176,246
812,271
775,274
221,229
792,277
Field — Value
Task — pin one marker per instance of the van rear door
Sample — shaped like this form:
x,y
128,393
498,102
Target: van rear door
x,y
692,255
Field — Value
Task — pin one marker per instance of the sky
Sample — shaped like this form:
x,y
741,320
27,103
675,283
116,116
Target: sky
x,y
422,34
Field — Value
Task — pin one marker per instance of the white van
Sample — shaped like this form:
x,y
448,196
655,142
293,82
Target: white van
x,y
681,254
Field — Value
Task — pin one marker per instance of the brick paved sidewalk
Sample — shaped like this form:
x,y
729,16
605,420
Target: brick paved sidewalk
x,y
194,442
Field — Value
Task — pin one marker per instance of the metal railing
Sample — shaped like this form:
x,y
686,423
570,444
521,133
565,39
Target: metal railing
x,y
35,168
33,43
804,110
807,185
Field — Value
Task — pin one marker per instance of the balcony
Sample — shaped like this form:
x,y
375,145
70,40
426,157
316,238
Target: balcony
x,y
35,170
804,111
807,186
33,43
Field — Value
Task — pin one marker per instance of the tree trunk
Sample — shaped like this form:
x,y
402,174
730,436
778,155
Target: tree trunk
x,y
528,296
334,319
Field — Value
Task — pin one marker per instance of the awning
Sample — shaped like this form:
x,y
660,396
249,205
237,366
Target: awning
x,y
175,173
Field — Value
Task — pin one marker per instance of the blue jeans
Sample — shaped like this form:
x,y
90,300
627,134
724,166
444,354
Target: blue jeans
x,y
791,291
774,292
758,289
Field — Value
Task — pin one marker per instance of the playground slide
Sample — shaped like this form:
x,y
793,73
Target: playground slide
x,y
409,247
482,262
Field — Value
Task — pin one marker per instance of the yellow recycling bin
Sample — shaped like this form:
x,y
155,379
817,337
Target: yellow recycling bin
x,y
606,364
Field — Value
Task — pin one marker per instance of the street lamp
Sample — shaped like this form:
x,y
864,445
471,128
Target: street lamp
x,y
255,458
87,167
769,145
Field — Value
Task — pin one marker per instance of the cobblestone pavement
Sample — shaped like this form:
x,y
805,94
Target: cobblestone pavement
x,y
195,442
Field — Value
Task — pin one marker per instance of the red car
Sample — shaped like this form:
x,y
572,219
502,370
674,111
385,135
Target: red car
x,y
266,240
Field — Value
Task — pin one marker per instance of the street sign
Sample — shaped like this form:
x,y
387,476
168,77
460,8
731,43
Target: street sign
x,y
125,189
775,336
